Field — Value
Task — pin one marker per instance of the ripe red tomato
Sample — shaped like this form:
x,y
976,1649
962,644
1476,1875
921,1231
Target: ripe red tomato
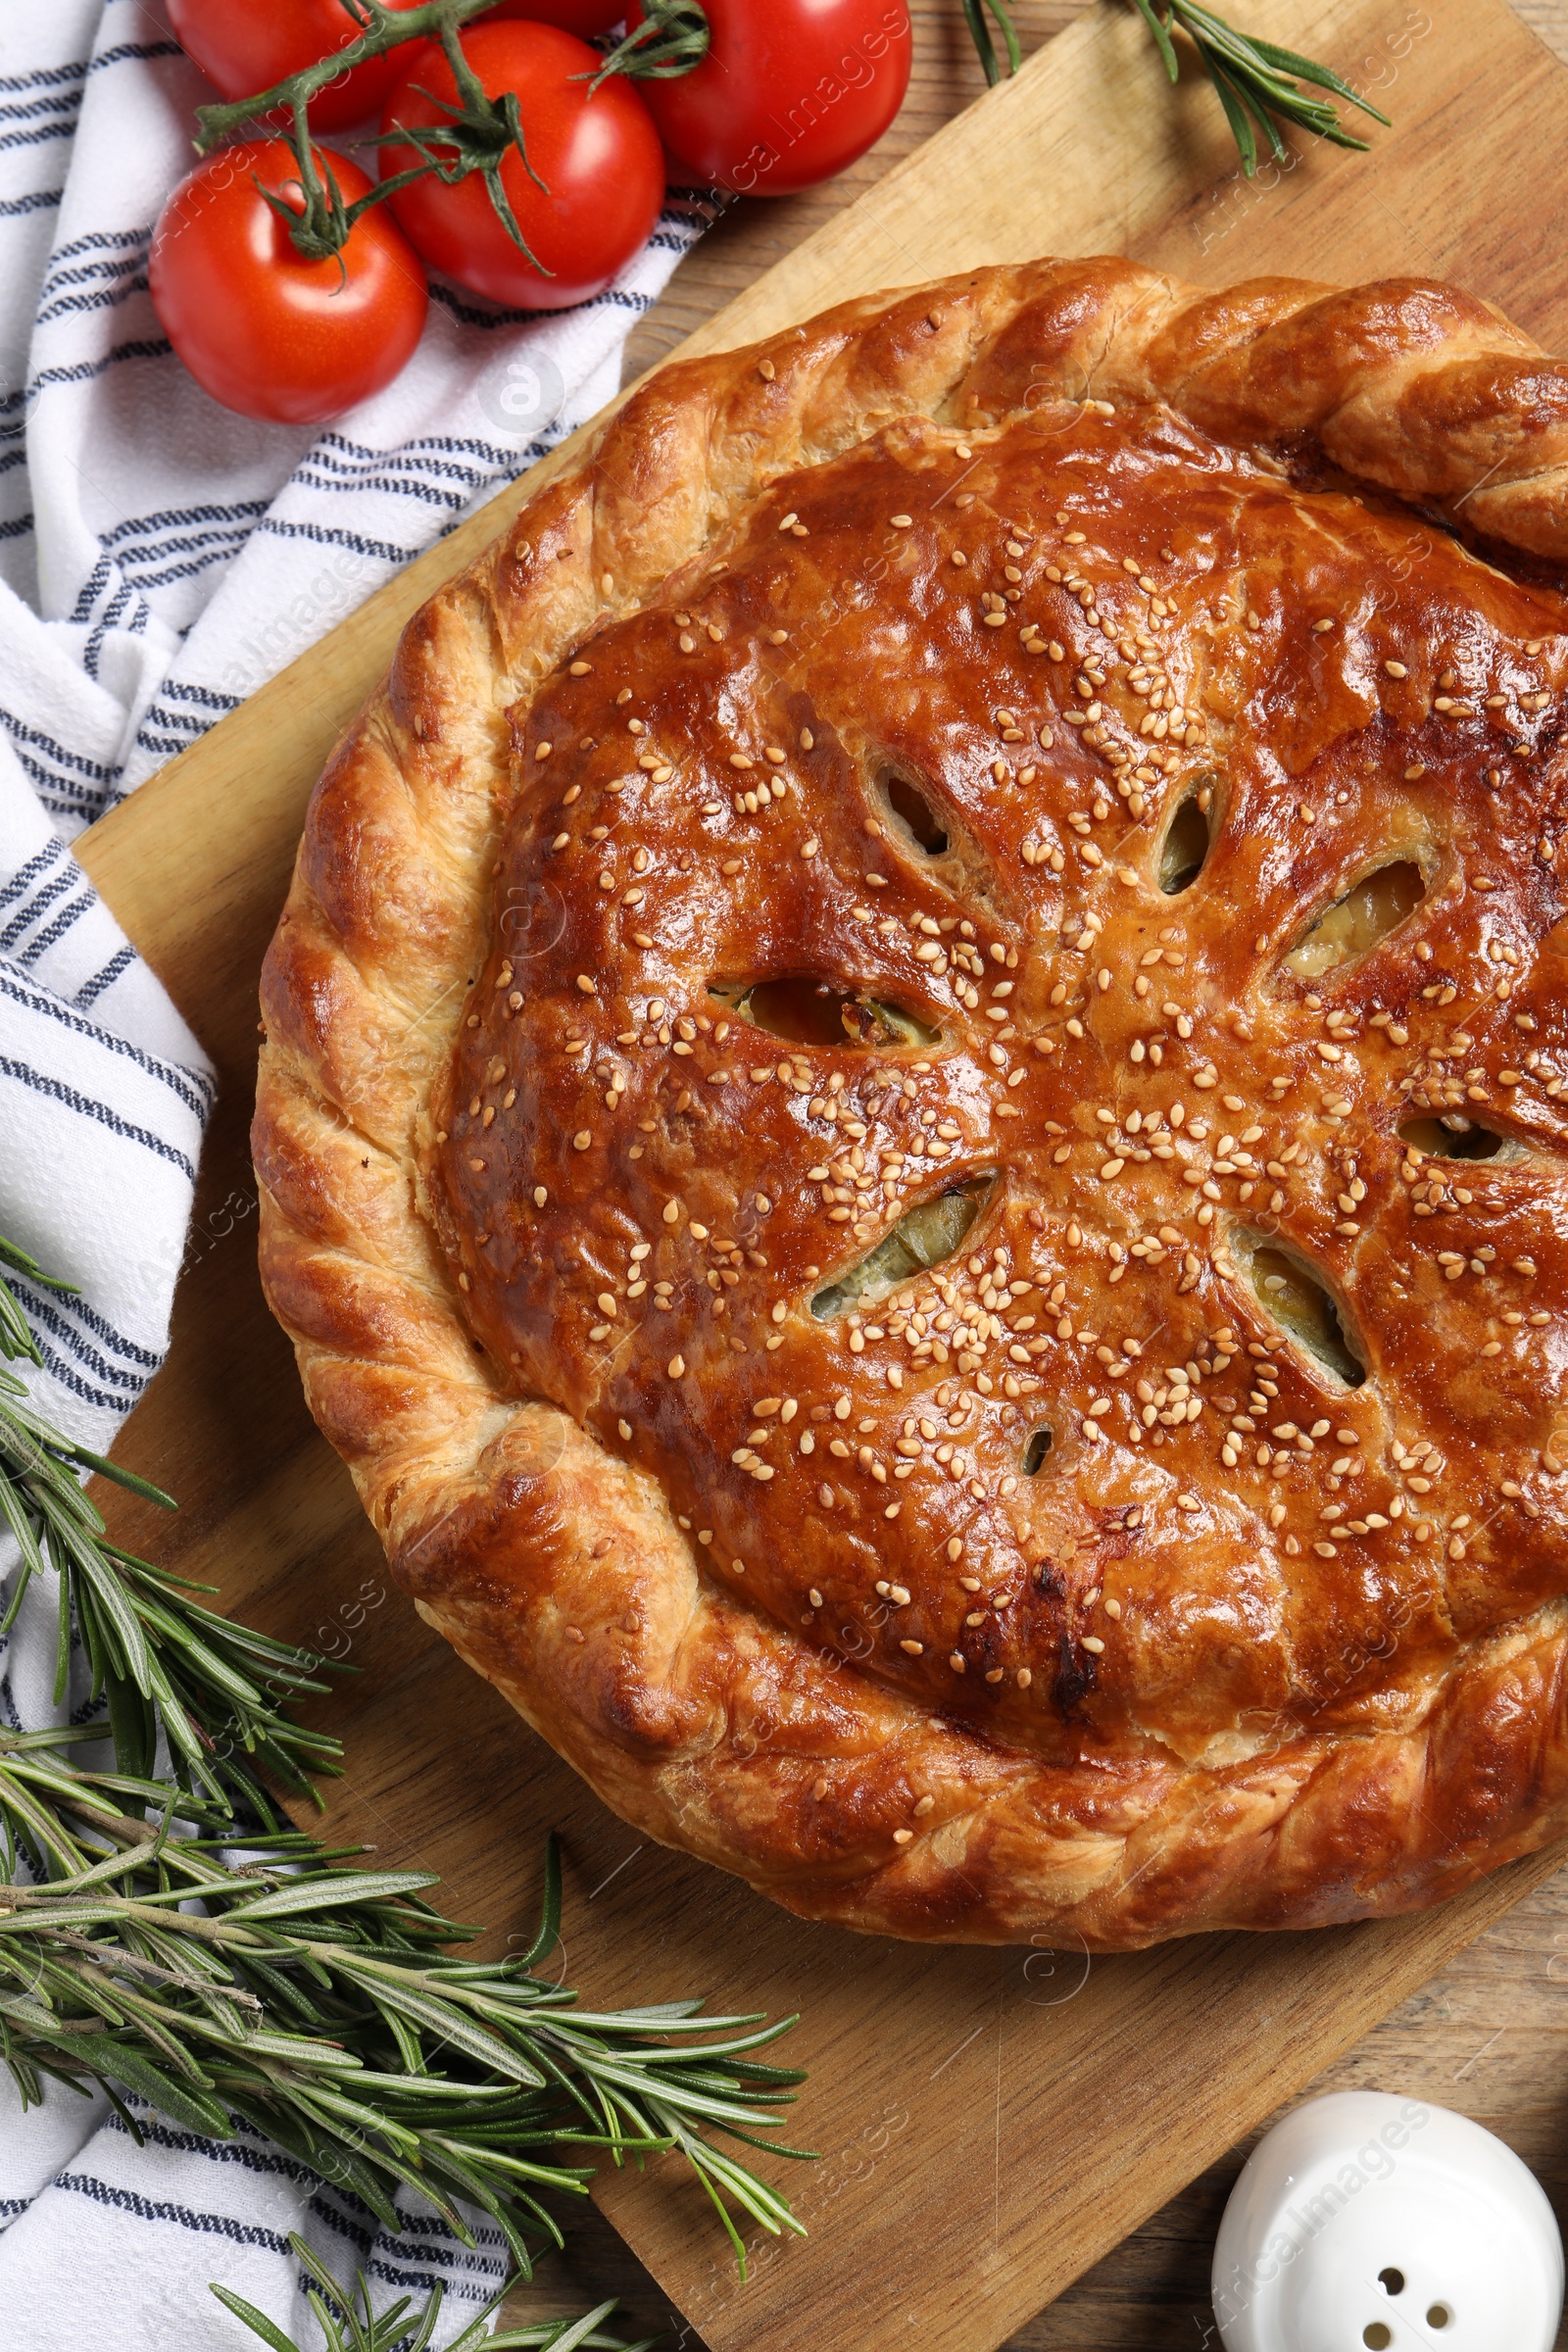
x,y
264,333
789,92
243,46
584,18
598,156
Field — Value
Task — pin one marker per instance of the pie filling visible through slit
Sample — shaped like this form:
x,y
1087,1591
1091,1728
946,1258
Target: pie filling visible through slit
x,y
1008,1089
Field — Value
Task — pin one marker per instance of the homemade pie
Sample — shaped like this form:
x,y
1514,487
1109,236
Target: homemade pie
x,y
912,1128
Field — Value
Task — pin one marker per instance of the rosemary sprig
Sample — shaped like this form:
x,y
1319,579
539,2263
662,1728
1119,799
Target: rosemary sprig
x,y
16,1332
1252,79
317,2004
312,2000
399,2328
216,1689
1257,81
974,16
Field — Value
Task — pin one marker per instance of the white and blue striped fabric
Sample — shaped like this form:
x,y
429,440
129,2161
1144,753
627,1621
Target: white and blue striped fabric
x,y
159,559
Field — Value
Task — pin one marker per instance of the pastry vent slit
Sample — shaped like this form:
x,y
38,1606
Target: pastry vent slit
x,y
1185,849
818,1012
1034,1452
1357,922
923,1237
915,814
1454,1138
914,817
1296,1299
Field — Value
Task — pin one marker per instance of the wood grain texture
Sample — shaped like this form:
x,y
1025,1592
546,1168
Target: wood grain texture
x,y
994,2123
1487,2035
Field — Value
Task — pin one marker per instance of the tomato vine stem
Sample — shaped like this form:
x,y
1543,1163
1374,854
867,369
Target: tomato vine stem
x,y
384,28
477,137
673,37
320,226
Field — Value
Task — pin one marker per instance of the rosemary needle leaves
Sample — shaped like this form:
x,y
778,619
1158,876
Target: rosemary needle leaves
x,y
975,17
354,2327
276,1984
316,2003
214,1688
1258,84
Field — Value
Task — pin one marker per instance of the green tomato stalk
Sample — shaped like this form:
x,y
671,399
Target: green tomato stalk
x,y
478,134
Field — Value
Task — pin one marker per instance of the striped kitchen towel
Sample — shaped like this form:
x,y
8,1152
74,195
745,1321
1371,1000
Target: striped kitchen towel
x,y
159,559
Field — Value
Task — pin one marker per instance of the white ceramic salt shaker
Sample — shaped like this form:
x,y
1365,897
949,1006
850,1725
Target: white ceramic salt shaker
x,y
1369,2224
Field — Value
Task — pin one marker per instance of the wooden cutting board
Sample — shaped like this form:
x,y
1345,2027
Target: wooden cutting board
x,y
992,2121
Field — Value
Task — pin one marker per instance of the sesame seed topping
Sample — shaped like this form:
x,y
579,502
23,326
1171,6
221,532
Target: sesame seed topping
x,y
937,1385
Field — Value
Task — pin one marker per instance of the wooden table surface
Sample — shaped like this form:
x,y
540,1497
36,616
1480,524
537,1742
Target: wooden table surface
x,y
1489,2036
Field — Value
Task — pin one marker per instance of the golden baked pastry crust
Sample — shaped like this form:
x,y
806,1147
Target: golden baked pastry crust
x,y
919,656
